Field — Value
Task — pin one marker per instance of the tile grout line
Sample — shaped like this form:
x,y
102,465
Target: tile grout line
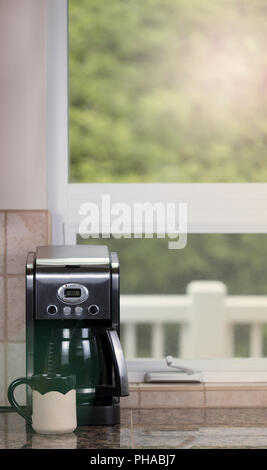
x,y
14,341
205,403
132,429
5,309
23,211
48,227
12,275
6,430
204,395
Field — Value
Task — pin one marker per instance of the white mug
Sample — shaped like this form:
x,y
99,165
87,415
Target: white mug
x,y
53,403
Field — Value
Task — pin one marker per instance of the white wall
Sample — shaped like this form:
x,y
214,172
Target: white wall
x,y
22,105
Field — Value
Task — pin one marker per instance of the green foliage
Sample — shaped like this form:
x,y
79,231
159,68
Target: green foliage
x,y
168,90
241,340
172,339
148,267
144,337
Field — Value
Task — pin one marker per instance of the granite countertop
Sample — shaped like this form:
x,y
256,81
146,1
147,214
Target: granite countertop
x,y
153,428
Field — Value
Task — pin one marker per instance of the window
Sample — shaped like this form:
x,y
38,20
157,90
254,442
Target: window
x,y
167,91
166,102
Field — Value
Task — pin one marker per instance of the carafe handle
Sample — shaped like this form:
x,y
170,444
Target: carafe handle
x,y
120,368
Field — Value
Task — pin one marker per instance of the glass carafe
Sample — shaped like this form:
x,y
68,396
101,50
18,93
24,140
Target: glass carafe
x,y
74,351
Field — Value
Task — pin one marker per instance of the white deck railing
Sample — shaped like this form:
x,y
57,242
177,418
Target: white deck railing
x,y
206,315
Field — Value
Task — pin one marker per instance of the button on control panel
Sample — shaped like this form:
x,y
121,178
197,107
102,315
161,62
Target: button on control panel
x,y
93,309
52,309
78,310
67,311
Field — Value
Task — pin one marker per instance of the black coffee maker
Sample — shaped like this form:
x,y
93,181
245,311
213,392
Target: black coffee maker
x,y
72,326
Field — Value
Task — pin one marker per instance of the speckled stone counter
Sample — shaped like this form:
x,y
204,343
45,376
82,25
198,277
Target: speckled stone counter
x,y
153,428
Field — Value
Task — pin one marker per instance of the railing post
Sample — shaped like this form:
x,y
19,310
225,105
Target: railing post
x,y
208,335
130,340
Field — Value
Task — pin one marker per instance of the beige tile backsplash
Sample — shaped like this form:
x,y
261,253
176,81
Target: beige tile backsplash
x,y
2,242
237,398
16,367
2,375
20,232
25,231
2,309
16,308
195,396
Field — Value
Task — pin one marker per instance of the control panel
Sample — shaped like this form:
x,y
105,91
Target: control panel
x,y
73,300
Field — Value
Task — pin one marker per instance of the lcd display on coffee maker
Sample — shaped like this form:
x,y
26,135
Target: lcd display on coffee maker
x,y
72,292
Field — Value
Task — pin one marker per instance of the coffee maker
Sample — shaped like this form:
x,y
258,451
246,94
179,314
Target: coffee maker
x,y
73,326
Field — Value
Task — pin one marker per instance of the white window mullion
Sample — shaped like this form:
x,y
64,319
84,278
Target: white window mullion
x,y
212,208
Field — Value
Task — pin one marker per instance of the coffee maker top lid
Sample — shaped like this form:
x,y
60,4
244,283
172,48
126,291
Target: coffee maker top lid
x,y
73,255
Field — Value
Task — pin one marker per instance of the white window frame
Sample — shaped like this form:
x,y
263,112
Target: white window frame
x,y
212,207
